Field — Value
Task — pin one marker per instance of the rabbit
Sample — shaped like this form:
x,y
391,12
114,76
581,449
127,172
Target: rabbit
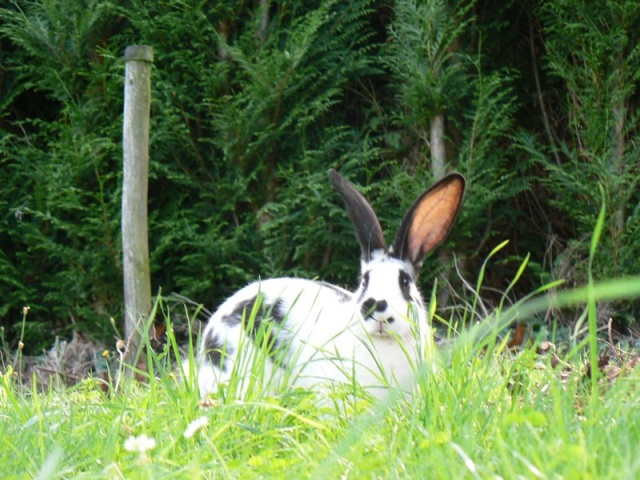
x,y
310,332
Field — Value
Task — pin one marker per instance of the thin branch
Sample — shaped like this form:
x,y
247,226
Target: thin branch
x,y
536,76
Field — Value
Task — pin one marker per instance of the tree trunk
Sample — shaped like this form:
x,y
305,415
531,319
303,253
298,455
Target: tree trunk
x,y
264,20
438,168
437,144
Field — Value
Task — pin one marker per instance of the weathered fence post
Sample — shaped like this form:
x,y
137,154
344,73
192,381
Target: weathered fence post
x,y
135,181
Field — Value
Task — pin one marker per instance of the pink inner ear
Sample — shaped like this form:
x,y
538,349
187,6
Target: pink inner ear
x,y
433,217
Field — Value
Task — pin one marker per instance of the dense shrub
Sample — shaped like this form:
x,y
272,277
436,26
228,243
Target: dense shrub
x,y
254,101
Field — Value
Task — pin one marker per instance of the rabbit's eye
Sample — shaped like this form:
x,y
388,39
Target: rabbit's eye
x,y
405,283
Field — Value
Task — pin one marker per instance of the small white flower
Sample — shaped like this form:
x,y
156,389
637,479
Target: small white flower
x,y
196,425
141,444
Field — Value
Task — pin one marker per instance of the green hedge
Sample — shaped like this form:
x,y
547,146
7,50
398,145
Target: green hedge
x,y
252,106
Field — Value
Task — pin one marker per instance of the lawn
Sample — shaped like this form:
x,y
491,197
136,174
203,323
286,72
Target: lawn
x,y
485,411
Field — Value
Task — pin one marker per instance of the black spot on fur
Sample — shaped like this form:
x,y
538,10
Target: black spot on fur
x,y
343,296
264,326
216,350
235,317
278,312
367,307
365,285
404,280
365,280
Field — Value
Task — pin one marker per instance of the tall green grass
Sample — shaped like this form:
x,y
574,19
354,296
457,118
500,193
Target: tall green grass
x,y
479,410
485,413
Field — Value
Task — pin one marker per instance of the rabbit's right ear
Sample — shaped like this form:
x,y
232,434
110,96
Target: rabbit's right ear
x,y
365,221
428,221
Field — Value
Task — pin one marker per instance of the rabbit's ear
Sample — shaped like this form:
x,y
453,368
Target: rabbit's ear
x,y
368,230
429,220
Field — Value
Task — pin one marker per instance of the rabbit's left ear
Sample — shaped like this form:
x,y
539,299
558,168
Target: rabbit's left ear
x,y
428,221
365,221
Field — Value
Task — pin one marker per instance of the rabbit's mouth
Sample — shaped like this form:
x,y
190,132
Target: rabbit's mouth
x,y
383,325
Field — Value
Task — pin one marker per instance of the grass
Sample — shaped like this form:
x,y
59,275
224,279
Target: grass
x,y
487,413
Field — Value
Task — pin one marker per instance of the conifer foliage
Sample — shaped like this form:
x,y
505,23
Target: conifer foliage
x,y
254,101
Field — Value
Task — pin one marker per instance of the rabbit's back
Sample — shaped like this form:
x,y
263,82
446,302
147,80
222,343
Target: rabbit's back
x,y
296,322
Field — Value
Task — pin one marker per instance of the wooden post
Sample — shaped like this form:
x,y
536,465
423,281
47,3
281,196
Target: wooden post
x,y
135,181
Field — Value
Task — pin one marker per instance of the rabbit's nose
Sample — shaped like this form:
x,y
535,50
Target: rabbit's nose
x,y
381,305
370,305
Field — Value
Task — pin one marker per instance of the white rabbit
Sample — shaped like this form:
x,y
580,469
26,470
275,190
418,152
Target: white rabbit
x,y
308,332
